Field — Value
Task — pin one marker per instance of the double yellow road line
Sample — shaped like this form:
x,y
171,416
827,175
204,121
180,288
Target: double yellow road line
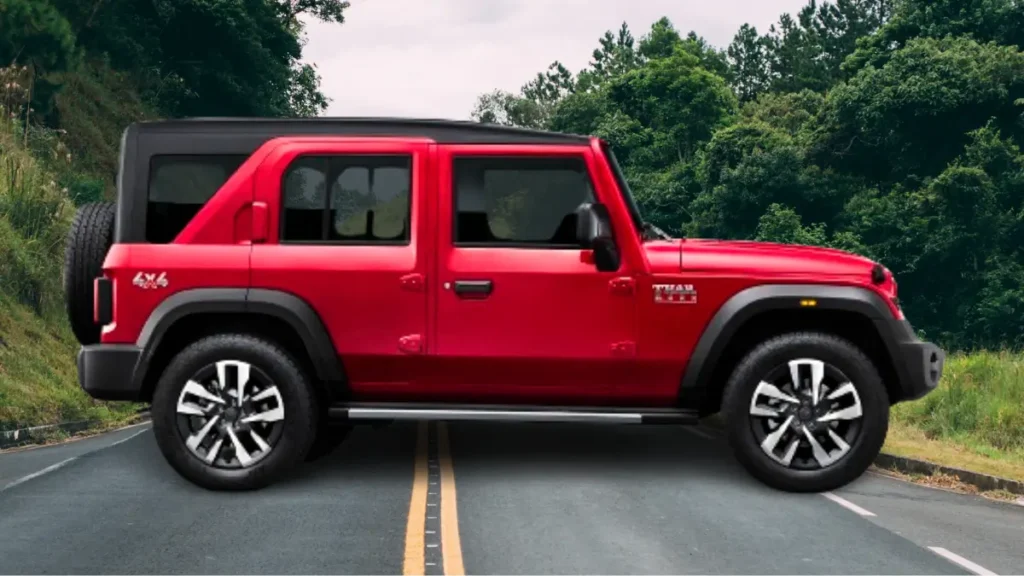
x,y
432,530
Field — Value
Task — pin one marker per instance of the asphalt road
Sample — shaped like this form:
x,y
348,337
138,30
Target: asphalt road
x,y
489,499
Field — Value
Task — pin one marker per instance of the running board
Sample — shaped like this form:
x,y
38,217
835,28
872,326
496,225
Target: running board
x,y
510,413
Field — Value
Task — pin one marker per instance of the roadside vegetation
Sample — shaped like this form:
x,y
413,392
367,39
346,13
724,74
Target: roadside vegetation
x,y
891,128
974,420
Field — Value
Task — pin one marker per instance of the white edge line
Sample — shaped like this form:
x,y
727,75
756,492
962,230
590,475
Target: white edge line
x,y
961,561
34,475
64,463
123,440
698,432
847,504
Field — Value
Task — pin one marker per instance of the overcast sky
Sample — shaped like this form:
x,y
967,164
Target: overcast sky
x,y
432,58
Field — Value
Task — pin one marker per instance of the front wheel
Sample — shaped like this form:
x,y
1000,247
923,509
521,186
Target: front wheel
x,y
234,412
806,412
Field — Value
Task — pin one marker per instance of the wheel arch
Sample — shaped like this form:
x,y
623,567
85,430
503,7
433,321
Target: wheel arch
x,y
285,318
753,314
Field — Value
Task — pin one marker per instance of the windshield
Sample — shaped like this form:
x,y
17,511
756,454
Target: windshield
x,y
647,230
627,194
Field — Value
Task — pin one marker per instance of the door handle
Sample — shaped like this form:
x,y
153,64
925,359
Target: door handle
x,y
473,288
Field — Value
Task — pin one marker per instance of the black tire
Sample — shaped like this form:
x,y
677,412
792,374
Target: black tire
x,y
837,354
88,241
297,432
328,438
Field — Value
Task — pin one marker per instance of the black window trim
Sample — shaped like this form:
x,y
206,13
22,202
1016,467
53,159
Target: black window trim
x,y
581,156
329,177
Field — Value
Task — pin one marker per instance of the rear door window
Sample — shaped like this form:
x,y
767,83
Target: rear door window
x,y
179,186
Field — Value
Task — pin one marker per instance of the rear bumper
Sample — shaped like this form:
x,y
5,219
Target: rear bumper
x,y
107,371
918,364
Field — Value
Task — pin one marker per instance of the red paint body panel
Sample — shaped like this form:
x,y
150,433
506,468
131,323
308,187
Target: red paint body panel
x,y
356,290
553,330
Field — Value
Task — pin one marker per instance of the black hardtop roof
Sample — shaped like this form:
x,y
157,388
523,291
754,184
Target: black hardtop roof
x,y
441,131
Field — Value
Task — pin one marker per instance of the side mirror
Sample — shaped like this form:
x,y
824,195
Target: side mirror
x,y
594,232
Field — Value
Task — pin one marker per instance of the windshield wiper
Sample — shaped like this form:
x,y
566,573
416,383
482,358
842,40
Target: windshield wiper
x,y
652,232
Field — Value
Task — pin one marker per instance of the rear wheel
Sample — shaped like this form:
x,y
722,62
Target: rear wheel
x,y
88,241
234,412
806,412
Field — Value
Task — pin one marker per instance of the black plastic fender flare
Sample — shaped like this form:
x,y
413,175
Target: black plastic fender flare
x,y
289,308
747,303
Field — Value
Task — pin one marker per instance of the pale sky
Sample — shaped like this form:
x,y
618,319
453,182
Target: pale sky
x,y
432,58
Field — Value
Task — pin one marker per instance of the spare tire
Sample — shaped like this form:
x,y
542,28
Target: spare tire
x,y
89,240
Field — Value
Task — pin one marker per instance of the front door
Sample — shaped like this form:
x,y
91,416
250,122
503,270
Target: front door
x,y
522,313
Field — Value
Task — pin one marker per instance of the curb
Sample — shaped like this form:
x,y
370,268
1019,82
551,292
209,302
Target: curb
x,y
24,436
907,465
976,479
32,435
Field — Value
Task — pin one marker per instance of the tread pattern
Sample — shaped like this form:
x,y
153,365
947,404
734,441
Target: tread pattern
x,y
88,241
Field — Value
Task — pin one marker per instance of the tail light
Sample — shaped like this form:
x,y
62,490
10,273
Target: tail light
x,y
103,300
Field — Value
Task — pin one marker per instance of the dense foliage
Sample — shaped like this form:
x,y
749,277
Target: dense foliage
x,y
93,66
891,128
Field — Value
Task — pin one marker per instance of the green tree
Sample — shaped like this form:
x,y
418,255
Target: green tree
x,y
37,36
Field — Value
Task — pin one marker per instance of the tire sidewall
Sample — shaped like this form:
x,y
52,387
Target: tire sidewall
x,y
300,420
840,354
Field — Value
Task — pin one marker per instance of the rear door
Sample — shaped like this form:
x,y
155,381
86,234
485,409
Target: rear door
x,y
523,315
348,234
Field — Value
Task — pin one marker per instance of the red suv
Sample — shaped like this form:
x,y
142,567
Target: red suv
x,y
267,283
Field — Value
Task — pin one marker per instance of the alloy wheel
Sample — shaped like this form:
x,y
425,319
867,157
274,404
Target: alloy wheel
x,y
806,415
230,414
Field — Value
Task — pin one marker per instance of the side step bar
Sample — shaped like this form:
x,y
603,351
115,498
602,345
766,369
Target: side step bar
x,y
510,413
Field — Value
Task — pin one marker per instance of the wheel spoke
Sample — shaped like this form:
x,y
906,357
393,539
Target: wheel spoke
x,y
847,388
240,452
214,450
772,391
264,447
272,415
848,413
817,375
196,389
270,392
764,411
772,440
840,443
196,439
242,370
190,409
787,459
820,454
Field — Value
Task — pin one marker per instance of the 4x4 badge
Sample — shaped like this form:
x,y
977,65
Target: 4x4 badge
x,y
674,294
148,281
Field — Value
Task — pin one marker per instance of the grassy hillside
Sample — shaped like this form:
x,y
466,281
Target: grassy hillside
x,y
38,383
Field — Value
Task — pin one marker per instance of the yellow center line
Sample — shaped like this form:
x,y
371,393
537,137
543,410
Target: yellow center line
x,y
451,545
414,554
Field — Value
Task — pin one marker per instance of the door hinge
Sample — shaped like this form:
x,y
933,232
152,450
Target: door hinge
x,y
623,285
625,349
412,282
411,344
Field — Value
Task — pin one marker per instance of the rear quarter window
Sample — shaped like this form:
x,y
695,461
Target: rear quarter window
x,y
178,188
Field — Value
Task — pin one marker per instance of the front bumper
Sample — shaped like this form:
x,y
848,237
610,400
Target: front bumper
x,y
918,364
107,371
